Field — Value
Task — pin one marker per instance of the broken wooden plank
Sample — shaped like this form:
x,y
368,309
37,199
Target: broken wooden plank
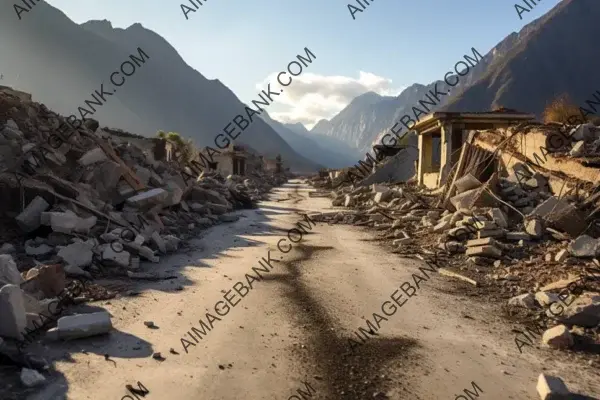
x,y
447,272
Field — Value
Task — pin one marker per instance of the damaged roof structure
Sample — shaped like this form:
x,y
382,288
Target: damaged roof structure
x,y
511,209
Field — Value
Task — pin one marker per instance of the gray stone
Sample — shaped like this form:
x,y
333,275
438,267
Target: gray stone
x,y
41,250
68,222
77,254
175,192
93,156
120,257
8,270
29,219
171,242
584,247
13,318
7,248
31,378
467,182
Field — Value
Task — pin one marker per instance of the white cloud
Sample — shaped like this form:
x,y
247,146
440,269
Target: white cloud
x,y
312,97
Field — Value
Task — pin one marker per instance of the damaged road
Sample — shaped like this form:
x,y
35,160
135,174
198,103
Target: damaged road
x,y
289,336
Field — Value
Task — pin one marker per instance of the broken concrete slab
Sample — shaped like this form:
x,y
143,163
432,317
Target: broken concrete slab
x,y
121,257
67,222
148,198
29,219
13,318
77,254
82,325
8,270
93,156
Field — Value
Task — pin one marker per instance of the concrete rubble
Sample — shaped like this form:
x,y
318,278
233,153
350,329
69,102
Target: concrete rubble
x,y
96,203
527,226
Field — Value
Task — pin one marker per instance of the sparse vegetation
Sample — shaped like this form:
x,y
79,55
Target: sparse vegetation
x,y
184,148
561,109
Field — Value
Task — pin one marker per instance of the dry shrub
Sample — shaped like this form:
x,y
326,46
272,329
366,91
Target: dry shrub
x,y
561,109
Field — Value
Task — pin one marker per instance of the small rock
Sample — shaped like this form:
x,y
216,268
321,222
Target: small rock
x,y
558,337
31,378
552,388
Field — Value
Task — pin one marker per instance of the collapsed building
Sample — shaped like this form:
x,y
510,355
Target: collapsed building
x,y
102,203
500,202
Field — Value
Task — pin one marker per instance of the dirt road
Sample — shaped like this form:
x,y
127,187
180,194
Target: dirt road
x,y
288,336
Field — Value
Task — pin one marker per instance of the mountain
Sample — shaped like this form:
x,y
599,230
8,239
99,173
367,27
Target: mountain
x,y
525,71
62,63
328,152
551,56
368,116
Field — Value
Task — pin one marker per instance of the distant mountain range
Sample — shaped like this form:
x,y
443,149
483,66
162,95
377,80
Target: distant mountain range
x,y
61,63
525,71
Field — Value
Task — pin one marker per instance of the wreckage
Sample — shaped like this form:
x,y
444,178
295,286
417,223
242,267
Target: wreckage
x,y
498,201
95,205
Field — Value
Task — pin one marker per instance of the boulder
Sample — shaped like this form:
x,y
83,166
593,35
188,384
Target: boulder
x,y
583,311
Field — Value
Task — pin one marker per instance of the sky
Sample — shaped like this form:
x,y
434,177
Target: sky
x,y
388,46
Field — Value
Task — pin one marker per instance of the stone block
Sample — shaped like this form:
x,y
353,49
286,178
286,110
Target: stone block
x,y
558,337
77,254
8,270
484,251
535,228
148,198
584,311
93,156
83,325
552,388
13,318
29,219
120,257
562,255
467,182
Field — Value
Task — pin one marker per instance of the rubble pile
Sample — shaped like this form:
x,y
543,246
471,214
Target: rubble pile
x,y
510,238
87,203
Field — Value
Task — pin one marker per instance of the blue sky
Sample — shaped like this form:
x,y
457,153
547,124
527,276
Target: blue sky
x,y
390,45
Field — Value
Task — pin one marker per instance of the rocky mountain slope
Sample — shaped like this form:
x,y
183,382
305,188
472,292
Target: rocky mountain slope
x,y
320,149
62,63
522,72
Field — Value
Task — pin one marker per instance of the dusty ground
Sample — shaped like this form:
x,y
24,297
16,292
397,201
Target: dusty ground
x,y
294,326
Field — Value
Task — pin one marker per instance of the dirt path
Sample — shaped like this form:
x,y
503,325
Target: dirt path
x,y
291,331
